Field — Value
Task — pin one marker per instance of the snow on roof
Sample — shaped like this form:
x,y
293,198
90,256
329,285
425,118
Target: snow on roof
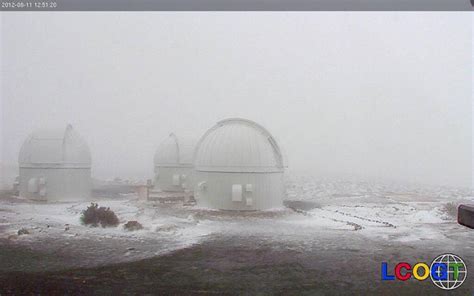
x,y
238,145
54,147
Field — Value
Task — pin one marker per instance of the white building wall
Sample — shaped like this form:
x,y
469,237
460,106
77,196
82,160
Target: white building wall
x,y
214,190
165,178
61,184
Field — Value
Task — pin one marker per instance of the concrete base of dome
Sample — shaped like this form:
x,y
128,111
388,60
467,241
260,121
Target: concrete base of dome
x,y
173,179
55,184
239,191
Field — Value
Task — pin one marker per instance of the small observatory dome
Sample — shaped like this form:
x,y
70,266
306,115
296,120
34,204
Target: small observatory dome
x,y
55,165
173,163
239,166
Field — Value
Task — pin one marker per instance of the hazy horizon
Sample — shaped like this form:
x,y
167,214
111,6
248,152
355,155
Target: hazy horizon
x,y
375,95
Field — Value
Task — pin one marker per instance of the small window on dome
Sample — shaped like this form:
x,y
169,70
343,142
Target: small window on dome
x,y
176,180
249,201
249,188
33,185
43,192
236,192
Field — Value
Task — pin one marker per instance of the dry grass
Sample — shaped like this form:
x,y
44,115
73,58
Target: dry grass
x,y
451,209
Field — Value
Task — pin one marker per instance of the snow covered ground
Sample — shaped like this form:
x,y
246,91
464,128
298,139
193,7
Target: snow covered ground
x,y
338,212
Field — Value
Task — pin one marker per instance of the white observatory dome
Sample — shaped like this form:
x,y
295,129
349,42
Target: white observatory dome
x,y
238,145
173,151
55,165
45,148
238,166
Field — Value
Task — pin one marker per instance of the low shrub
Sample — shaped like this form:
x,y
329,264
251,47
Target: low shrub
x,y
167,228
451,208
95,215
132,226
23,231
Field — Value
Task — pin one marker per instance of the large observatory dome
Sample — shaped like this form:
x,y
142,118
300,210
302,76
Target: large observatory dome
x,y
64,148
238,145
238,166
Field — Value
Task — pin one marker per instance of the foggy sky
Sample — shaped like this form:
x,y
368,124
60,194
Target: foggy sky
x,y
375,95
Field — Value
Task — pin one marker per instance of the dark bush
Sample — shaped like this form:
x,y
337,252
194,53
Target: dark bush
x,y
23,231
95,215
132,226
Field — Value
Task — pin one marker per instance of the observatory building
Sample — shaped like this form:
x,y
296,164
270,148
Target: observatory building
x,y
55,165
238,166
174,164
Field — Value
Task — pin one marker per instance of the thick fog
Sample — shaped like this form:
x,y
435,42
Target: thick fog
x,y
367,95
